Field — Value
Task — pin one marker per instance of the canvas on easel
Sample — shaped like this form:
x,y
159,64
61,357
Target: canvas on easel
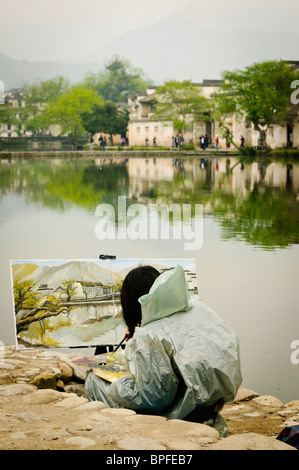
x,y
76,303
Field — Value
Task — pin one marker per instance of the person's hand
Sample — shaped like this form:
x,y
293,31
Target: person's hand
x,y
128,333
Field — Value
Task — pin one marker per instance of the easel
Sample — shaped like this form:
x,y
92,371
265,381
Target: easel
x,y
104,348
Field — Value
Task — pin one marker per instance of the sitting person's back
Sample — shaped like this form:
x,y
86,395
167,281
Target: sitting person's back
x,y
183,358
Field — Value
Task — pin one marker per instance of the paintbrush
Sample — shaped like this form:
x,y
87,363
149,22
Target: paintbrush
x,y
119,344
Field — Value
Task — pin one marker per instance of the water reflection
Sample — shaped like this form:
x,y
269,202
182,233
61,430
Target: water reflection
x,y
256,202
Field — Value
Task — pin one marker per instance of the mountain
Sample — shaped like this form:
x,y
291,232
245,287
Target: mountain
x,y
14,73
72,270
174,48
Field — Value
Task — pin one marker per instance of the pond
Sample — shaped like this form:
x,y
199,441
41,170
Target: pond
x,y
247,266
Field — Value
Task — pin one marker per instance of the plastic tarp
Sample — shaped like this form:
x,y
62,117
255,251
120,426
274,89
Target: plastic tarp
x,y
182,356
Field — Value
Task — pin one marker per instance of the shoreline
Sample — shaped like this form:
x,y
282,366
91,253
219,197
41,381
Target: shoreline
x,y
121,154
43,407
280,155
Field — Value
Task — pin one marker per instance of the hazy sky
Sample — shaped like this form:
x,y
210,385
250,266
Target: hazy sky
x,y
61,29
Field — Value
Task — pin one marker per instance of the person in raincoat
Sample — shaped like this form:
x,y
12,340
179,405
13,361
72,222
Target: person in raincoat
x,y
183,359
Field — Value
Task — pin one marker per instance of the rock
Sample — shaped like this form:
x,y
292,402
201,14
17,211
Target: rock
x,y
117,412
267,400
43,396
45,380
177,427
139,444
7,365
66,371
292,404
18,435
78,389
245,394
144,420
16,389
72,402
80,372
250,441
28,417
80,442
293,421
92,405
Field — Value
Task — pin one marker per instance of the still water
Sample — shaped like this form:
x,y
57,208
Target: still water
x,y
247,267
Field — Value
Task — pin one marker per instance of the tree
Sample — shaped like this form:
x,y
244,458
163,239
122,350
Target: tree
x,y
118,81
38,98
260,93
23,295
7,115
107,118
67,110
180,101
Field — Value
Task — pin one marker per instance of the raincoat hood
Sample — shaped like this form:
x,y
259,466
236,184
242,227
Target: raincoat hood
x,y
156,305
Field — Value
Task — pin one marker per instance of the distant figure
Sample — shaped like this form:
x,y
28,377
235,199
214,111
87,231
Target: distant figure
x,y
242,141
172,142
102,142
206,140
154,142
146,142
181,140
217,143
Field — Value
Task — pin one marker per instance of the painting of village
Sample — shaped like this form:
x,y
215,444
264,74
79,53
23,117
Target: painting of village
x,y
76,303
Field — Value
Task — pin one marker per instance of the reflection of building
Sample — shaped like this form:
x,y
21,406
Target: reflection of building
x,y
150,180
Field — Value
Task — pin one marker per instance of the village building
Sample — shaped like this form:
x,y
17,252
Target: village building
x,y
146,129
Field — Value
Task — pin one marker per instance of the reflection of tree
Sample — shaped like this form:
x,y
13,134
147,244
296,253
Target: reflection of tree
x,y
266,216
110,178
70,183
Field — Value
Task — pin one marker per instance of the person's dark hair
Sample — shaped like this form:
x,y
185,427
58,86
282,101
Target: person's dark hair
x,y
137,283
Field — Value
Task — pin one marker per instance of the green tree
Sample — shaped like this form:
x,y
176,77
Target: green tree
x,y
38,99
118,81
181,102
260,93
7,115
67,110
107,118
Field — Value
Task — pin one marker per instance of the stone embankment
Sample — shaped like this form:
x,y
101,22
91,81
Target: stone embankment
x,y
42,406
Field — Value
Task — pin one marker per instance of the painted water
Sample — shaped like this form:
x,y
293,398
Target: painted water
x,y
247,267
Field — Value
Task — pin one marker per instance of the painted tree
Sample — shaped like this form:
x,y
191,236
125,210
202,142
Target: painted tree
x,y
260,93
